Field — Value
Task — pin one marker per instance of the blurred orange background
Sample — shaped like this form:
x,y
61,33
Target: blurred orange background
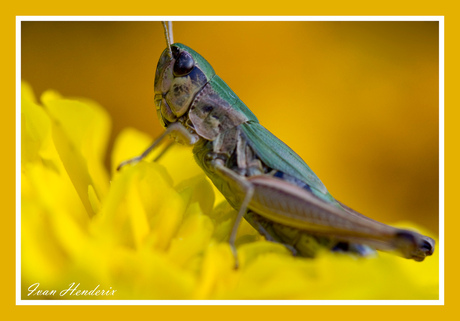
x,y
358,101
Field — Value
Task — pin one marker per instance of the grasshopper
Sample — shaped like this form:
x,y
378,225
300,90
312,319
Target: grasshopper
x,y
260,176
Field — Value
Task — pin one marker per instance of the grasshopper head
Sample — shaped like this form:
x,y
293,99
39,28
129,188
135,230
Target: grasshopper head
x,y
177,80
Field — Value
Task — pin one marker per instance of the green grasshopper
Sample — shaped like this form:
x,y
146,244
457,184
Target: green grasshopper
x,y
260,176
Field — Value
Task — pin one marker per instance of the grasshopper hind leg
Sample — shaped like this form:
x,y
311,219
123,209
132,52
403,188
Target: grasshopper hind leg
x,y
301,243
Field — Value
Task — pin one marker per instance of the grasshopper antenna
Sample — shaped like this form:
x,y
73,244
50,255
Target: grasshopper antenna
x,y
171,38
168,36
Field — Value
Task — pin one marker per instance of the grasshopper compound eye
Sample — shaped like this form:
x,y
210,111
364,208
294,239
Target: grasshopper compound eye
x,y
183,65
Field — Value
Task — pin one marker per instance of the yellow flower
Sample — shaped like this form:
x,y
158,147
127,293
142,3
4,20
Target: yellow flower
x,y
158,230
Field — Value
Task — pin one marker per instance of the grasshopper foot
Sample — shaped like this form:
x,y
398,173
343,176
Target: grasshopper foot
x,y
235,256
133,160
291,249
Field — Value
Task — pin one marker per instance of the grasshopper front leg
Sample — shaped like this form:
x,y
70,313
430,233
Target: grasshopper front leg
x,y
176,130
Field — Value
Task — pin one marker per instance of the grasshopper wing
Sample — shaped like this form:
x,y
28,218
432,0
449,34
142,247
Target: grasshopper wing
x,y
277,155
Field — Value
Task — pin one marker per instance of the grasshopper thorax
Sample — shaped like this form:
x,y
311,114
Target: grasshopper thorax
x,y
178,80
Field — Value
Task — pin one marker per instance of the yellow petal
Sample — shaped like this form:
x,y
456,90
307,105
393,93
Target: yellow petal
x,y
36,139
218,273
197,190
80,132
141,208
193,237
